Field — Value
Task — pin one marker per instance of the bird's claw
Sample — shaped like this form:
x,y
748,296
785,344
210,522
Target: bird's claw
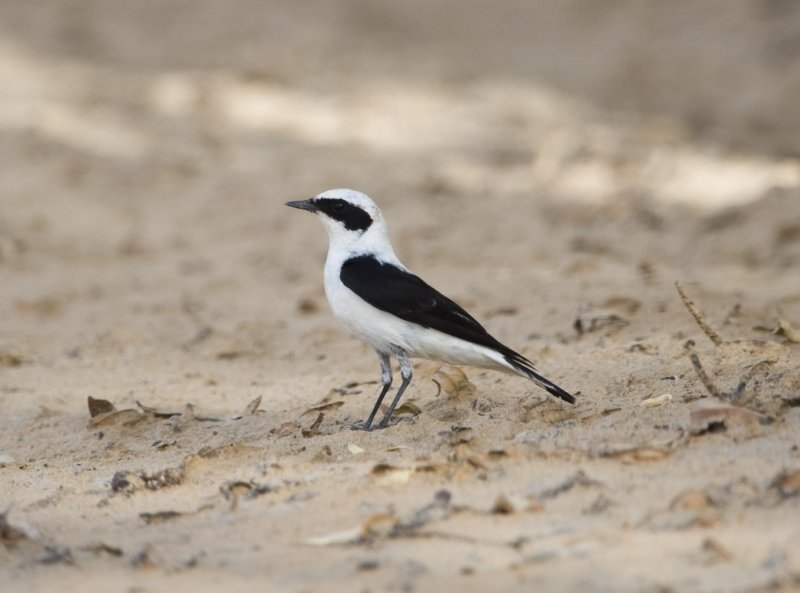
x,y
362,426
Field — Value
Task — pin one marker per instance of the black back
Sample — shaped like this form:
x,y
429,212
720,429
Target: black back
x,y
408,297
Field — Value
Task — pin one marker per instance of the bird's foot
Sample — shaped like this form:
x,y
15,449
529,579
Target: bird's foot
x,y
362,426
384,423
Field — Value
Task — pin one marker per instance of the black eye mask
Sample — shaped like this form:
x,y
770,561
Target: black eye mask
x,y
351,216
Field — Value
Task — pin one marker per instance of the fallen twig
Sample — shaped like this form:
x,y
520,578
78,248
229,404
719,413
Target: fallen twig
x,y
698,317
712,389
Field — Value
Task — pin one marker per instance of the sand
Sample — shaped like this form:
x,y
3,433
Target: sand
x,y
535,165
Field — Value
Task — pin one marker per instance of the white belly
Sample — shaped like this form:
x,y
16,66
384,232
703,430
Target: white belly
x,y
385,332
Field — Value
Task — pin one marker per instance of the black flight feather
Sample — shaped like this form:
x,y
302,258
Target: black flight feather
x,y
400,293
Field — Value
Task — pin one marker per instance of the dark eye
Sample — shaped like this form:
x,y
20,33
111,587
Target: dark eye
x,y
337,206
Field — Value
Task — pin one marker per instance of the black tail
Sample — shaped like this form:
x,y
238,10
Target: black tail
x,y
525,367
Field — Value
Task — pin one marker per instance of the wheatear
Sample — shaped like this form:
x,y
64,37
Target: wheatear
x,y
379,301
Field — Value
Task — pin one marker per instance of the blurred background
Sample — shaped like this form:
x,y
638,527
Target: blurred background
x,y
147,144
552,165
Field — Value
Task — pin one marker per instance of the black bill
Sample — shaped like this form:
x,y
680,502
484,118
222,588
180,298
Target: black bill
x,y
303,205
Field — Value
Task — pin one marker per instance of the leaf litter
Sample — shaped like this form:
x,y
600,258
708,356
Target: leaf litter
x,y
128,482
104,413
708,506
441,508
742,414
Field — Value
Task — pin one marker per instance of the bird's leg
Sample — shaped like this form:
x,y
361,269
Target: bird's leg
x,y
405,373
386,380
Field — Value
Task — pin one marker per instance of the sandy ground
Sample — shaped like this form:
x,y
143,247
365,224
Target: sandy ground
x,y
538,164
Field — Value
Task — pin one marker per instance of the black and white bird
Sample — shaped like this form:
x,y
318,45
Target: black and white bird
x,y
379,301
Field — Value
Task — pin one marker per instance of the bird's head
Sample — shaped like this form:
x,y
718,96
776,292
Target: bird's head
x,y
353,221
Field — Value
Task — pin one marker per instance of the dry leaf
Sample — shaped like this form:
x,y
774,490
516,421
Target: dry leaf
x,y
495,454
288,428
379,525
323,407
510,504
252,407
126,417
355,449
171,476
99,406
786,484
251,489
635,453
250,410
160,516
786,330
336,538
645,454
128,481
99,548
717,416
452,381
408,408
313,430
317,422
656,401
390,474
691,500
158,413
396,448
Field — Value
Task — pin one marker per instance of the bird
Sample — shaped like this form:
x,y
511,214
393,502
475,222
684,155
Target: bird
x,y
398,314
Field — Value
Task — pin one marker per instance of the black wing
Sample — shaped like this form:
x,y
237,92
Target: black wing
x,y
393,290
407,296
